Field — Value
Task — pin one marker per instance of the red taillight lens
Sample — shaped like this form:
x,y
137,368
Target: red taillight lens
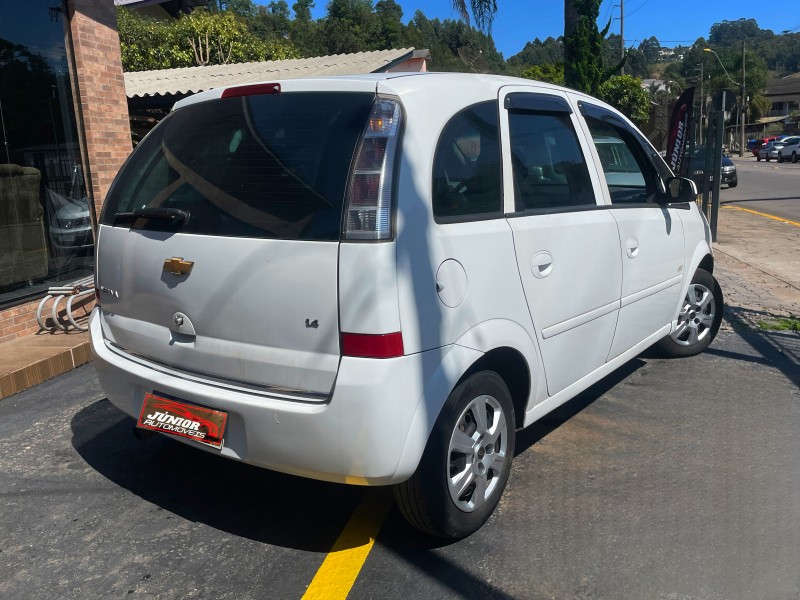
x,y
388,345
252,90
369,191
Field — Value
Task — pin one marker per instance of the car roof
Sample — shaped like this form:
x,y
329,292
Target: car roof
x,y
398,83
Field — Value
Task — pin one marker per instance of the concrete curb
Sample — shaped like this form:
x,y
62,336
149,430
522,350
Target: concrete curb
x,y
31,360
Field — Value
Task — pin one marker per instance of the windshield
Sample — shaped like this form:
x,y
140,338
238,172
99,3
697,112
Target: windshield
x,y
273,165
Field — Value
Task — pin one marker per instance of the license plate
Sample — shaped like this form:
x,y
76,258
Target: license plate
x,y
203,425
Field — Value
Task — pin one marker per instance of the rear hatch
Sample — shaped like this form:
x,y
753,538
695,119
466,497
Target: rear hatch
x,y
219,240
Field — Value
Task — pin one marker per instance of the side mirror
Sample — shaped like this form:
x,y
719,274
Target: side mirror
x,y
681,189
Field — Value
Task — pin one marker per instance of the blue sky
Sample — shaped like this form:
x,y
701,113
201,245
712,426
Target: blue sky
x,y
673,22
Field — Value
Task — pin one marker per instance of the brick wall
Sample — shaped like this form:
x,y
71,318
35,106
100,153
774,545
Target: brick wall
x,y
100,92
18,321
21,320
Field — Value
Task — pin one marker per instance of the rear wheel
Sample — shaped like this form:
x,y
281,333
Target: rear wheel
x,y
698,320
758,158
466,463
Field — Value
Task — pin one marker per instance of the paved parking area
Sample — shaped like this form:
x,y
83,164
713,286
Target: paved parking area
x,y
671,479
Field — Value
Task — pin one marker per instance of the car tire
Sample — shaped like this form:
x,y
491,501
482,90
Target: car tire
x,y
733,184
780,157
794,157
466,463
698,320
758,158
767,157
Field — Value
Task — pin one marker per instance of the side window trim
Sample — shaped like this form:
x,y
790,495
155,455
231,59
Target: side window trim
x,y
438,158
587,109
644,150
552,102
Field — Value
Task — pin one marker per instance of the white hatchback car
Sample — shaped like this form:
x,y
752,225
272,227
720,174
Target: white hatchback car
x,y
376,280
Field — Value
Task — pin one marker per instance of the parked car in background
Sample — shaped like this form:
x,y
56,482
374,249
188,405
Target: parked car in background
x,y
769,151
728,174
790,150
756,145
326,277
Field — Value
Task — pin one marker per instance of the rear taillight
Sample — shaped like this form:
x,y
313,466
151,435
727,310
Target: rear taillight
x,y
387,345
369,191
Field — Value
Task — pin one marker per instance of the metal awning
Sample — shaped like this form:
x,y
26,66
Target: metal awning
x,y
190,80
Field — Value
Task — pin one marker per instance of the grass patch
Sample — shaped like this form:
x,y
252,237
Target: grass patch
x,y
780,324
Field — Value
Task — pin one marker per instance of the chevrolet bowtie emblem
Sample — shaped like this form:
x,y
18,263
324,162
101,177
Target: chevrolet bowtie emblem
x,y
178,266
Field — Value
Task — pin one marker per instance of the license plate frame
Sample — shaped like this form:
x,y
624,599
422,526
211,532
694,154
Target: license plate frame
x,y
178,418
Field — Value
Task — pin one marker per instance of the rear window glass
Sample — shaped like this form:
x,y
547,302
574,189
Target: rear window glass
x,y
269,166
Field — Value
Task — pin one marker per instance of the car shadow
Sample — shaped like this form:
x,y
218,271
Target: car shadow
x,y
230,496
555,419
777,349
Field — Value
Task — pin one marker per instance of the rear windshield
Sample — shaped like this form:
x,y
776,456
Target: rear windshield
x,y
268,166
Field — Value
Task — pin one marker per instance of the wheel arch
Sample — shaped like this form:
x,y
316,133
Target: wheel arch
x,y
498,345
512,368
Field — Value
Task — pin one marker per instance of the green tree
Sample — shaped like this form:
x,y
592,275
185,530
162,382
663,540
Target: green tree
x,y
454,45
306,33
625,92
651,49
198,38
583,42
548,73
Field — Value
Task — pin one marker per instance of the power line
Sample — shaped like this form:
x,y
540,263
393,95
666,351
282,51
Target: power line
x,y
640,7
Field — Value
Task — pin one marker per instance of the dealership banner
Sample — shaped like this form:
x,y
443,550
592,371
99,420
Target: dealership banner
x,y
679,130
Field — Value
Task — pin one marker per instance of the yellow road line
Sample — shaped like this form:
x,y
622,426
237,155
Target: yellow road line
x,y
339,570
755,212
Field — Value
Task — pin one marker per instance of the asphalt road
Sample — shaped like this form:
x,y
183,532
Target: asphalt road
x,y
672,479
769,187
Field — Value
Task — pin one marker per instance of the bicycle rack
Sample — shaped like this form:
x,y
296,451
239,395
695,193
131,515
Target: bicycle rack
x,y
73,291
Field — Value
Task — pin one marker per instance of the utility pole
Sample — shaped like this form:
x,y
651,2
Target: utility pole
x,y
743,109
702,101
622,34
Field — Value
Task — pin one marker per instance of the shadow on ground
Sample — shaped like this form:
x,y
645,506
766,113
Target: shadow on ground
x,y
233,497
777,349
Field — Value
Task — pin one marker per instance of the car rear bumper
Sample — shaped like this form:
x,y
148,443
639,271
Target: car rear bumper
x,y
371,431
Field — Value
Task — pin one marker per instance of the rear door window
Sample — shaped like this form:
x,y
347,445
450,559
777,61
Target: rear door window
x,y
267,166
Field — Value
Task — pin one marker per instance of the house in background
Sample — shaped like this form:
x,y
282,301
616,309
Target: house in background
x,y
784,95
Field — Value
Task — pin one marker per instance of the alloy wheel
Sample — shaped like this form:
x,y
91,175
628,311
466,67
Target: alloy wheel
x,y
696,318
477,453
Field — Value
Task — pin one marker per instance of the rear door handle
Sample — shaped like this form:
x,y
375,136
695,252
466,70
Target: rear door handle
x,y
632,247
542,264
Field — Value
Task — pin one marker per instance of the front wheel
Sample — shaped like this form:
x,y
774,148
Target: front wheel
x,y
698,320
780,158
466,462
794,157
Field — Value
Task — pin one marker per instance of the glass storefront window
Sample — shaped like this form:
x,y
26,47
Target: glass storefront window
x,y
46,214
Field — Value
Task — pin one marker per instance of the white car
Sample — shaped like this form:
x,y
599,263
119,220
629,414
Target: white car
x,y
790,149
377,280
